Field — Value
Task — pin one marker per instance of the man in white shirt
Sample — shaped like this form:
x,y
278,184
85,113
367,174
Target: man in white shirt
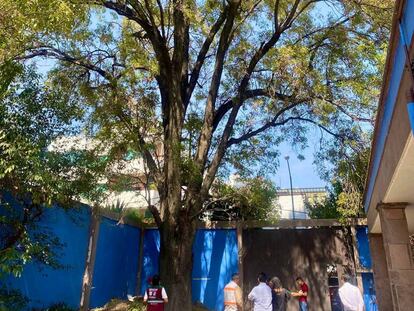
x,y
261,295
351,296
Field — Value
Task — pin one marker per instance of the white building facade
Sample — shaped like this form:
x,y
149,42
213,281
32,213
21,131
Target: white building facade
x,y
296,209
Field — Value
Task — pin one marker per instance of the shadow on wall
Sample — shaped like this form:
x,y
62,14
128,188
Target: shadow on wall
x,y
215,260
150,258
287,253
116,264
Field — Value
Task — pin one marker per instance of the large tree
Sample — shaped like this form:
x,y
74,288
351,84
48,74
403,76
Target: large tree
x,y
198,88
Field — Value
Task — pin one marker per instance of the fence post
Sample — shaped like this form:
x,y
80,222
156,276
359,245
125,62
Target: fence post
x,y
90,260
141,254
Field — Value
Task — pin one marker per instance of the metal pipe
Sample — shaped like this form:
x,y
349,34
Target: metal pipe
x,y
291,187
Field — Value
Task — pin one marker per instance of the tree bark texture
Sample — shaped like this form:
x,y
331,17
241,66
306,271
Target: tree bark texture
x,y
176,261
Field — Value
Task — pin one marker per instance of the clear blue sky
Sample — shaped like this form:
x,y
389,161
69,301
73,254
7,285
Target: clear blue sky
x,y
304,173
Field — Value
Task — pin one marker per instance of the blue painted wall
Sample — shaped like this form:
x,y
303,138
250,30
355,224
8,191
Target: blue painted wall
x,y
397,70
46,286
410,109
369,292
363,247
116,264
215,260
366,262
150,257
215,255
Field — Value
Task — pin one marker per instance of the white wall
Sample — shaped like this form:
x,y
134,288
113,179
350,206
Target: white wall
x,y
285,203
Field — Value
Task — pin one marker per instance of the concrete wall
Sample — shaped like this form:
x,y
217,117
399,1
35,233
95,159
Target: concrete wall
x,y
287,253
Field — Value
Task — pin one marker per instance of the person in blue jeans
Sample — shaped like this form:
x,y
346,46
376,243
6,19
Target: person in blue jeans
x,y
302,294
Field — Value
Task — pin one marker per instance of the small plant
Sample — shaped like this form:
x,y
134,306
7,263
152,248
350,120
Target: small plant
x,y
137,306
11,299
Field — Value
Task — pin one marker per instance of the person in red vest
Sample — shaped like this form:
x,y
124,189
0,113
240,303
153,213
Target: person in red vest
x,y
155,296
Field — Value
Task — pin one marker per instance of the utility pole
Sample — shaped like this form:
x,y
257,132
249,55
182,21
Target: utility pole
x,y
291,188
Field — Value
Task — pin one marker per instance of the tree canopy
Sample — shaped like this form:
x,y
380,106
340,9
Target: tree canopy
x,y
312,67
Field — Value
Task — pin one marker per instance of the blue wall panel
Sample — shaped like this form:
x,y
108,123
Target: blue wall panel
x,y
369,292
408,20
116,264
391,98
215,260
363,247
45,286
397,70
150,258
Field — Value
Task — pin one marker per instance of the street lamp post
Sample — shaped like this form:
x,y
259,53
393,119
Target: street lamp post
x,y
291,188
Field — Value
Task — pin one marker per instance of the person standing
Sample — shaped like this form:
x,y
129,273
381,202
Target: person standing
x,y
302,294
261,295
155,296
280,295
233,294
350,295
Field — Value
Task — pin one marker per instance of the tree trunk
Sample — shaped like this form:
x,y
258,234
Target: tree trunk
x,y
176,261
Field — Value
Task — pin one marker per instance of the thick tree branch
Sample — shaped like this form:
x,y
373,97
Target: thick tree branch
x,y
207,129
291,16
162,22
276,15
180,38
49,51
156,214
259,54
221,149
339,136
228,105
137,13
148,157
264,127
274,123
202,55
180,58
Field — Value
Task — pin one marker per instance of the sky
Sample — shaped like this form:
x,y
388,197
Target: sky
x,y
304,173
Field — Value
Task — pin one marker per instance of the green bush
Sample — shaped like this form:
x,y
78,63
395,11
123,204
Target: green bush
x,y
11,299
